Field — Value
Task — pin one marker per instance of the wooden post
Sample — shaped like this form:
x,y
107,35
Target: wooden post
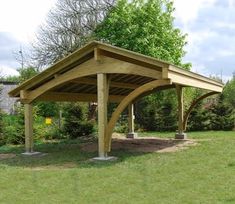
x,y
102,92
131,124
180,134
28,128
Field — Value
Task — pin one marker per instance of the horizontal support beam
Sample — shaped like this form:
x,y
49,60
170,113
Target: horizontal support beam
x,y
185,80
63,96
90,81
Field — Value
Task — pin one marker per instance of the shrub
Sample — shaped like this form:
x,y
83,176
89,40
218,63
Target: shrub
x,y
13,131
122,124
48,109
76,123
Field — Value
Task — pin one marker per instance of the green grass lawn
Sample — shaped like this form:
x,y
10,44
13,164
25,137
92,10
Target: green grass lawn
x,y
201,174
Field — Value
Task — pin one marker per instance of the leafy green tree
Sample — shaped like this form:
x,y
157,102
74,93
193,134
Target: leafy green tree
x,y
1,118
145,27
229,92
26,73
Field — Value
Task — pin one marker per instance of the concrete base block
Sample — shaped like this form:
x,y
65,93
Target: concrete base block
x,y
181,136
33,154
108,158
131,135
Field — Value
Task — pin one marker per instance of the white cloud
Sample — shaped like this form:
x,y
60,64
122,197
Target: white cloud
x,y
200,69
187,11
23,17
195,38
231,3
226,53
211,30
222,24
8,71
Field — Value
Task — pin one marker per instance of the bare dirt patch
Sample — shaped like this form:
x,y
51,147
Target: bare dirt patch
x,y
144,144
7,156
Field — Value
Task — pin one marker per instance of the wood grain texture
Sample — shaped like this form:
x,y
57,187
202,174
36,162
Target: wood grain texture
x,y
180,99
28,127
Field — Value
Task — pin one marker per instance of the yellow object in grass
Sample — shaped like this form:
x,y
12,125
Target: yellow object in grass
x,y
48,121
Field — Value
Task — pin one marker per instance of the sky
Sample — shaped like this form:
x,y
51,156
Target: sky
x,y
209,24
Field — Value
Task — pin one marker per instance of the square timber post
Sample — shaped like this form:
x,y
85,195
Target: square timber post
x,y
102,99
180,134
131,124
28,117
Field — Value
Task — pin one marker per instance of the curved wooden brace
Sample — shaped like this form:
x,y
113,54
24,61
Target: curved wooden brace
x,y
195,102
125,102
90,67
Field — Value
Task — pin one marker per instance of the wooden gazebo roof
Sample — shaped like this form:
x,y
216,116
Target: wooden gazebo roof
x,y
74,78
104,73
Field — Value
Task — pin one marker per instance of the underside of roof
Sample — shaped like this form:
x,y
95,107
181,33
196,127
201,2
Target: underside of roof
x,y
75,77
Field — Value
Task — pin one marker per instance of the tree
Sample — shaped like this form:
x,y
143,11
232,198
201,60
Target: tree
x,y
26,73
69,26
222,117
145,27
229,92
1,117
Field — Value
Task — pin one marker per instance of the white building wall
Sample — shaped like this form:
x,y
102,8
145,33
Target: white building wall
x,y
6,102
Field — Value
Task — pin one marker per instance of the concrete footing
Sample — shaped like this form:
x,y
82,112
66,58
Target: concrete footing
x,y
33,154
181,136
131,135
108,158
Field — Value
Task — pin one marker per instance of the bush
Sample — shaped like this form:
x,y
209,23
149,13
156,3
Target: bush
x,y
48,109
13,131
122,124
76,123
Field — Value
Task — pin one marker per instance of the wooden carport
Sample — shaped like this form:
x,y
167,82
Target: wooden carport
x,y
104,73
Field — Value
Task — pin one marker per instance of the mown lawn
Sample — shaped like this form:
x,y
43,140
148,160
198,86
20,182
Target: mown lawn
x,y
201,174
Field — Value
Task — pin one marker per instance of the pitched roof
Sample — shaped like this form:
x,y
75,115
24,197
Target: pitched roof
x,y
89,51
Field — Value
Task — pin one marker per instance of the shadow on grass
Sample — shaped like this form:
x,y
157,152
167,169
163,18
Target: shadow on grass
x,y
75,154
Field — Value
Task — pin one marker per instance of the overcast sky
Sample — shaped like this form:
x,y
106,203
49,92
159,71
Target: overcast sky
x,y
210,25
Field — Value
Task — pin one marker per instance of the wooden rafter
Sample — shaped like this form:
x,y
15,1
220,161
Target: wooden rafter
x,y
91,81
86,69
63,96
